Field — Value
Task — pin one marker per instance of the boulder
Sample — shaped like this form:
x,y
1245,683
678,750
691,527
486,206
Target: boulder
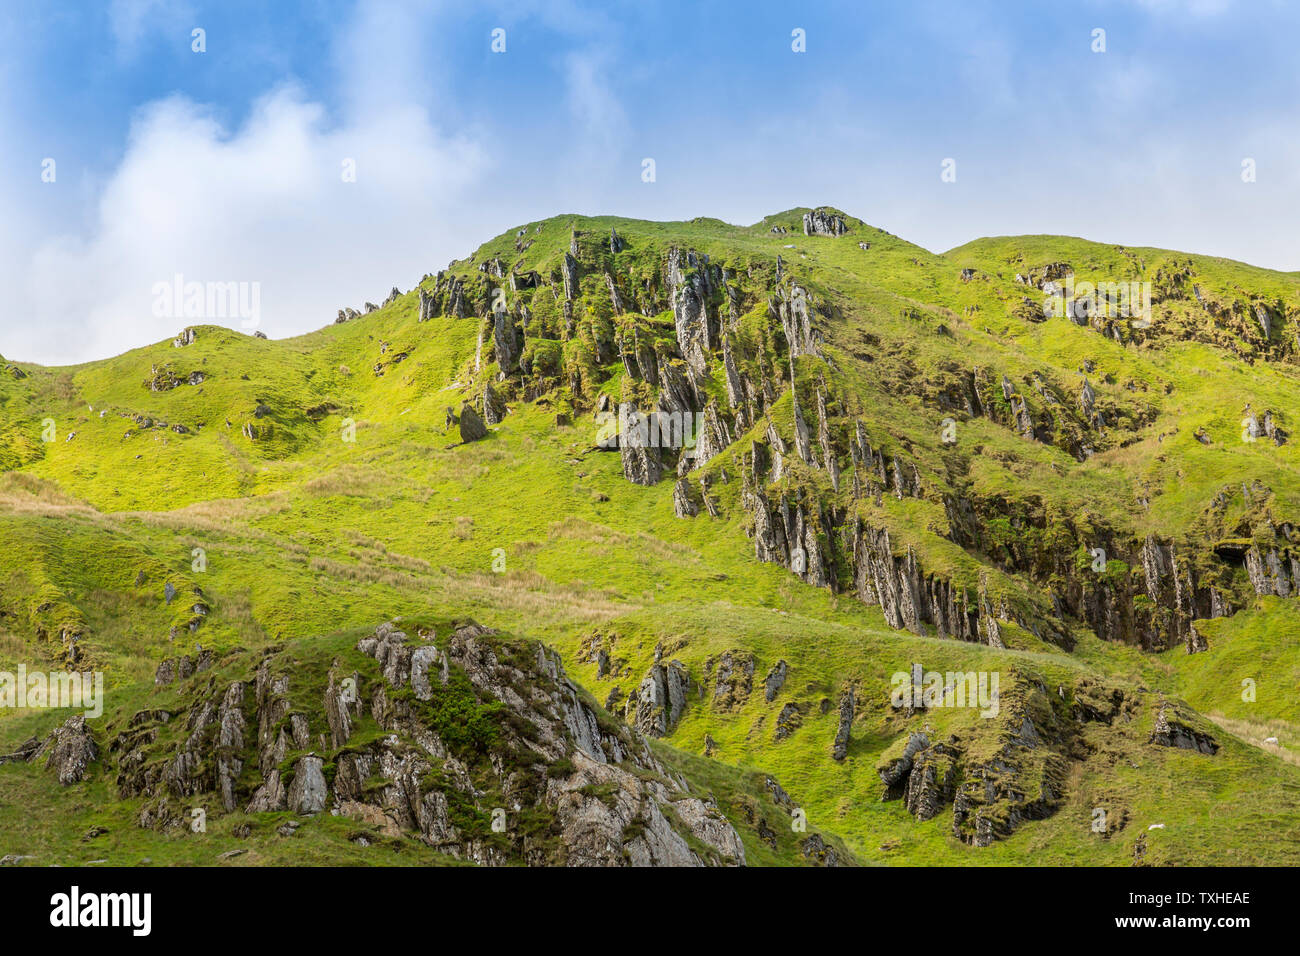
x,y
471,426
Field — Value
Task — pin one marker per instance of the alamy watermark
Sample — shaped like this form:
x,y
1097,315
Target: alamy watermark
x,y
56,689
649,429
931,689
208,300
1082,301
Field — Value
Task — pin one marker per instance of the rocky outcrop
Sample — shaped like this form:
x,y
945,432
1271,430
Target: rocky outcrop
x,y
823,222
788,721
642,464
840,749
1017,775
573,787
689,293
660,700
68,751
505,337
683,505
775,680
1173,729
494,406
1271,573
471,426
733,679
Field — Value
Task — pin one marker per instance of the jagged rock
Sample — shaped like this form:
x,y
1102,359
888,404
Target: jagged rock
x,y
308,791
1267,573
186,337
788,721
683,506
822,222
775,680
1265,318
734,679
931,782
471,426
713,439
1273,430
802,436
642,464
661,699
615,300
840,750
813,847
1171,730
897,770
796,320
689,296
69,750
505,337
494,406
230,740
570,275
338,713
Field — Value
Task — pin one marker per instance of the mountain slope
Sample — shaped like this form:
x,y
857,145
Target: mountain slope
x,y
1072,501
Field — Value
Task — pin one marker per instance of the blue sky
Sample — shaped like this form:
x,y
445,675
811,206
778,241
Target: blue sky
x,y
225,165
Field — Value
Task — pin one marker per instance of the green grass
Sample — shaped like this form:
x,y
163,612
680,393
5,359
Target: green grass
x,y
307,534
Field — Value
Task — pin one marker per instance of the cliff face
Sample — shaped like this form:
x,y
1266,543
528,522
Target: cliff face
x,y
761,357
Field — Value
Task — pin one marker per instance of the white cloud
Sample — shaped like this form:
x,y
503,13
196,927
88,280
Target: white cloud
x,y
264,203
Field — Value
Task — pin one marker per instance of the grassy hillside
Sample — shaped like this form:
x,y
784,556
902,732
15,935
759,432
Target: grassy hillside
x,y
306,487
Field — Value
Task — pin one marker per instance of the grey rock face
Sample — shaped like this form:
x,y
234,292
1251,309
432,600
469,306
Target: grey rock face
x,y
69,750
775,680
230,740
494,406
1171,730
788,721
661,699
308,792
822,222
897,770
690,318
733,679
931,782
570,275
840,750
339,699
607,792
1265,318
795,313
683,506
506,339
471,426
642,464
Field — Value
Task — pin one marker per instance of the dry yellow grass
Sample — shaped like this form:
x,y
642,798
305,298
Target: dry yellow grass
x,y
1256,734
